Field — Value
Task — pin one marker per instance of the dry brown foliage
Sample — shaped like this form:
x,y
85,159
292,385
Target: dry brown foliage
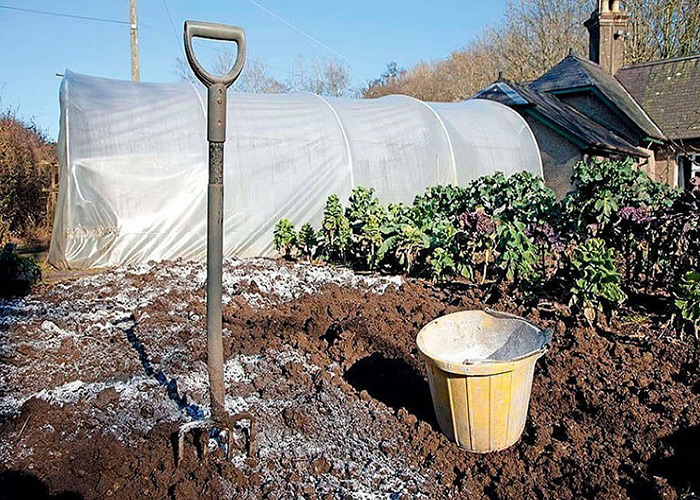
x,y
532,37
27,162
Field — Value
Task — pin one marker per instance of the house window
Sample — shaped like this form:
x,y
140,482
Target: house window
x,y
688,168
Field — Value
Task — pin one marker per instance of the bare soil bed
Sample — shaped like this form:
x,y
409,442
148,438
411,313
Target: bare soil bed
x,y
98,373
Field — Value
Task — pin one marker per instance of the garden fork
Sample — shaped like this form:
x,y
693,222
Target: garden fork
x,y
220,427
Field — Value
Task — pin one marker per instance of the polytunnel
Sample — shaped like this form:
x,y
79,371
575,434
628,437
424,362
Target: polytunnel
x,y
134,163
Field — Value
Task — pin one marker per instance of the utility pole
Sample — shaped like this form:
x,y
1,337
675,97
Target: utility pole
x,y
135,71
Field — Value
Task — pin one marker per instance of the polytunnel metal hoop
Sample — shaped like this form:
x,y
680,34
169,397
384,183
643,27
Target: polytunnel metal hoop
x,y
348,150
444,129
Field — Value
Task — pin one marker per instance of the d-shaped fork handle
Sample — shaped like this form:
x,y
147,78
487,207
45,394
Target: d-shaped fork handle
x,y
214,31
216,84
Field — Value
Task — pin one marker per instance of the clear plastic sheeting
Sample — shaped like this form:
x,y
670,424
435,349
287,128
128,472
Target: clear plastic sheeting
x,y
134,163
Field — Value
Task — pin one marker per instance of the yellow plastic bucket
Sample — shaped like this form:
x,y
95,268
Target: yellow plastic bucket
x,y
480,368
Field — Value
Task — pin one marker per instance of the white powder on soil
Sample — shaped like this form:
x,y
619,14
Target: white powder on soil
x,y
90,316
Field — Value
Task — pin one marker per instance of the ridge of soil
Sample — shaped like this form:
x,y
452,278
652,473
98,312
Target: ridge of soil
x,y
98,374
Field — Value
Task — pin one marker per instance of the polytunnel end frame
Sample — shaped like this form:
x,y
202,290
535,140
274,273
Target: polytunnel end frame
x,y
221,425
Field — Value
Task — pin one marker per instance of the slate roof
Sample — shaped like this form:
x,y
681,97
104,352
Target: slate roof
x,y
563,118
669,90
574,73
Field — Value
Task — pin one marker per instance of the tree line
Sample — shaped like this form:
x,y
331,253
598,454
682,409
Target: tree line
x,y
532,36
328,77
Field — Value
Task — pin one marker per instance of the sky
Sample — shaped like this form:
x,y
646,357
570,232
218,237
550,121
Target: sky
x,y
365,35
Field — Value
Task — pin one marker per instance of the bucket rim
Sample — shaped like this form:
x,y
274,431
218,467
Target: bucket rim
x,y
486,366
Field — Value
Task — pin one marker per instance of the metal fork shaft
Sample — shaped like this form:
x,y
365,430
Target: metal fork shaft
x,y
215,349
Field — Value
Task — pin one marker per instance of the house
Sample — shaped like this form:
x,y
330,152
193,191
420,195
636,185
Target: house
x,y
599,108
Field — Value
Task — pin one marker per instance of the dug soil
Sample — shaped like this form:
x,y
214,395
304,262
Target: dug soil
x,y
99,373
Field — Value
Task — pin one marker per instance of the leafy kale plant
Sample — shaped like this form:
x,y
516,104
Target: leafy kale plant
x,y
687,302
595,280
404,242
604,187
285,238
365,217
517,253
335,229
474,244
307,241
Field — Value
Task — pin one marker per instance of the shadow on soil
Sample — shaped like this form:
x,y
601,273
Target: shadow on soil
x,y
681,468
128,326
18,485
395,383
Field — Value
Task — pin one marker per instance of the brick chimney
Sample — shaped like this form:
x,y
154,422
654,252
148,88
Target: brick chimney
x,y
608,28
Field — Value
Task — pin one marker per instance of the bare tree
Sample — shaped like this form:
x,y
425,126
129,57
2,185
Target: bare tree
x,y
256,80
328,77
663,28
456,78
468,71
255,77
183,72
536,34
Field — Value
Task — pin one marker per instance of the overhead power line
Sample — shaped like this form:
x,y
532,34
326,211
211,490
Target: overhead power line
x,y
178,39
60,14
84,18
298,30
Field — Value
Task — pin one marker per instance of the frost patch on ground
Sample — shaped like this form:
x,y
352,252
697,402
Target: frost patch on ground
x,y
132,408
277,284
374,475
77,390
85,323
90,347
195,383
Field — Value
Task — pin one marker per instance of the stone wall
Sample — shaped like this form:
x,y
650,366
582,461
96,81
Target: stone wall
x,y
665,170
559,156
